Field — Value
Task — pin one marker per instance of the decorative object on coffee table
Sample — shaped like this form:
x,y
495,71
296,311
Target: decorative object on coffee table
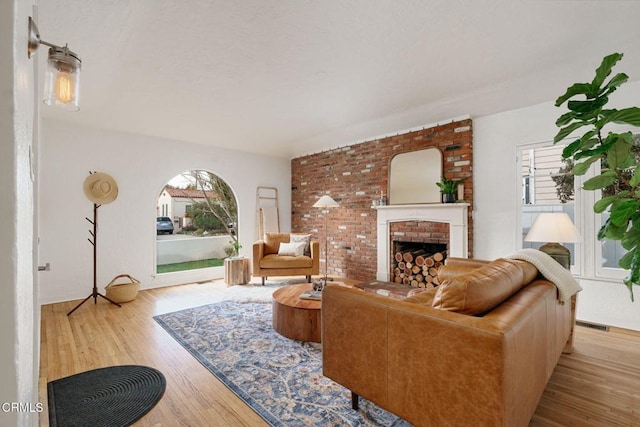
x,y
312,295
318,285
326,202
555,228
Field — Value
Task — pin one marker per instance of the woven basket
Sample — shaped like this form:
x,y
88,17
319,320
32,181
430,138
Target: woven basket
x,y
122,292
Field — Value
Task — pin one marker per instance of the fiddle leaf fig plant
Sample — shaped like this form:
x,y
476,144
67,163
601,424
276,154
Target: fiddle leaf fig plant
x,y
617,154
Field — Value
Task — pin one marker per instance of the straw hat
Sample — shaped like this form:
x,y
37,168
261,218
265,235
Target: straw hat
x,y
100,188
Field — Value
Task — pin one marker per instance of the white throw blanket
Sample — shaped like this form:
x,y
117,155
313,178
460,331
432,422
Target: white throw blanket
x,y
551,270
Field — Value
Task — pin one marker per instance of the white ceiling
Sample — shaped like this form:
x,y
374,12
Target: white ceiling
x,y
289,77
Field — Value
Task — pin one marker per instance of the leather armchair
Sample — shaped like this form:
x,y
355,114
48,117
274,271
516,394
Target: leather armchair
x,y
267,262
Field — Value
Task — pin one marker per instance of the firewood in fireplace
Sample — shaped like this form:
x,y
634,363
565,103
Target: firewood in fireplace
x,y
417,268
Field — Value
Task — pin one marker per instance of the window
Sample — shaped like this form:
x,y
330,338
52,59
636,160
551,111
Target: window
x,y
610,251
548,185
204,211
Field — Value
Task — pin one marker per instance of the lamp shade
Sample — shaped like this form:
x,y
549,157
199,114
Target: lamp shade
x,y
553,227
325,202
62,81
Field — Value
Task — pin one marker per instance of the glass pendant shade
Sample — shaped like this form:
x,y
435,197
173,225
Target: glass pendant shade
x,y
62,81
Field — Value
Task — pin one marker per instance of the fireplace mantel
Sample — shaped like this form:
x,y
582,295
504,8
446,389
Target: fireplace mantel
x,y
454,214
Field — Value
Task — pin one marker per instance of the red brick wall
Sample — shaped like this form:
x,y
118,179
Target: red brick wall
x,y
354,176
419,231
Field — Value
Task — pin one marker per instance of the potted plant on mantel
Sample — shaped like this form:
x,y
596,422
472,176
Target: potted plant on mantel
x,y
449,189
617,154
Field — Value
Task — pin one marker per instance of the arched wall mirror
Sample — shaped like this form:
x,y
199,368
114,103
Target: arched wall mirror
x,y
413,177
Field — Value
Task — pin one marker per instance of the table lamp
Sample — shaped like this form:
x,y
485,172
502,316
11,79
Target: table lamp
x,y
554,228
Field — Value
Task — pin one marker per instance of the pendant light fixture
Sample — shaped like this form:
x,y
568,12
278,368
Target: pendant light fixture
x,y
62,81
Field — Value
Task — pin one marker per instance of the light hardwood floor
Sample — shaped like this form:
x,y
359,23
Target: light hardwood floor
x,y
597,385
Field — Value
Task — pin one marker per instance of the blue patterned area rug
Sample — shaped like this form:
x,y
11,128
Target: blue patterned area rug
x,y
281,379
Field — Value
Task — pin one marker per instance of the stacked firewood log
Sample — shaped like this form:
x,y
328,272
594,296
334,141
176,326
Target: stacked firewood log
x,y
417,268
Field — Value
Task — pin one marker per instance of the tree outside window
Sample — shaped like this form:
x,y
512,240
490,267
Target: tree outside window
x,y
217,209
204,210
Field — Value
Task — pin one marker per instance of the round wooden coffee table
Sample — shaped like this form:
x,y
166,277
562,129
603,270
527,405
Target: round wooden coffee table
x,y
296,318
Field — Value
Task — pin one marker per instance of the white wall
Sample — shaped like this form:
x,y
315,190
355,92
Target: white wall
x,y
19,311
496,193
126,235
165,200
191,249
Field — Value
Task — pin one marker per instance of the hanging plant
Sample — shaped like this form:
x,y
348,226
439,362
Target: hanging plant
x,y
619,177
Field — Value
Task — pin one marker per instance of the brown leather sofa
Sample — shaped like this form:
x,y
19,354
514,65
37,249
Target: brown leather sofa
x,y
423,360
268,262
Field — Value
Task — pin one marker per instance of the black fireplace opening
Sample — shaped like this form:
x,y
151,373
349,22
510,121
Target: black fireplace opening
x,y
425,248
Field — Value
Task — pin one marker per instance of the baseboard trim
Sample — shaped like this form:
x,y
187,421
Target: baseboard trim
x,y
597,326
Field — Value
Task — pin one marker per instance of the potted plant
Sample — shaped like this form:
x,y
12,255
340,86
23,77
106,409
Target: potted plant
x,y
449,189
233,249
616,153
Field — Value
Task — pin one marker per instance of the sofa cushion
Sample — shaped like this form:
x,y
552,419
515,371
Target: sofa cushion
x,y
424,297
277,261
529,271
291,249
387,289
457,266
272,242
481,289
306,238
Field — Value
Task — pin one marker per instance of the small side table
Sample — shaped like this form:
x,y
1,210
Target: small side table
x,y
236,271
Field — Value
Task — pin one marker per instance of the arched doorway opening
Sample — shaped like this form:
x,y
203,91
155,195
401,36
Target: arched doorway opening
x,y
196,222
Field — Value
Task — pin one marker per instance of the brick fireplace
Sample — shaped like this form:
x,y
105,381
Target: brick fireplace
x,y
355,175
455,215
418,249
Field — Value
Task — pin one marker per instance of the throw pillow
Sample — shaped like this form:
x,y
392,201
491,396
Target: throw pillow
x,y
305,238
291,249
481,289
